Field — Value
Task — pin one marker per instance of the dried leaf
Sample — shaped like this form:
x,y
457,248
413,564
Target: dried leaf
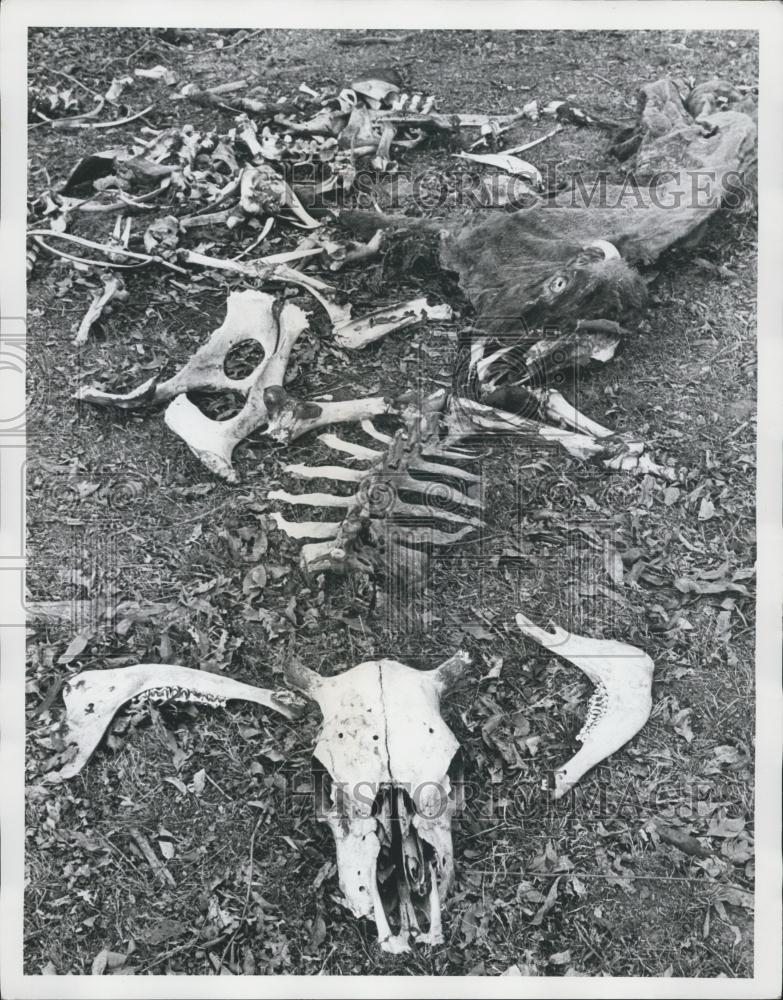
x,y
706,510
548,903
199,780
76,646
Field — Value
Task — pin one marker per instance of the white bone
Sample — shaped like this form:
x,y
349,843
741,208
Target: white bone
x,y
94,697
337,472
306,529
620,705
510,164
289,418
357,450
558,408
113,288
312,499
485,363
371,430
249,316
213,441
358,333
609,249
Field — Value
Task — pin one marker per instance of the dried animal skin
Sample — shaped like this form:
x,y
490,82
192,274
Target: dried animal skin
x,y
93,697
620,705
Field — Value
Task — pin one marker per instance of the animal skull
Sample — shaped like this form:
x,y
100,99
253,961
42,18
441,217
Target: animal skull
x,y
388,775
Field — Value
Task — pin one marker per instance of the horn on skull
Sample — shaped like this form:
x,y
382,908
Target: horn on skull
x,y
302,678
609,250
452,672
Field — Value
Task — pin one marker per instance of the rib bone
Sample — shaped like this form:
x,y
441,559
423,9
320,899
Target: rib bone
x,y
618,708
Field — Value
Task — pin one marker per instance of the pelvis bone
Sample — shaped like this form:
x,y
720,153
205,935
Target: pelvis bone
x,y
276,326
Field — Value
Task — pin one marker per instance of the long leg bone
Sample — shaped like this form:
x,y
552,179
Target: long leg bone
x,y
94,697
618,708
358,333
290,417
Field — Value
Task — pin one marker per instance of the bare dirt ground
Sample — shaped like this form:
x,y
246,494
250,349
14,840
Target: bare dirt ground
x,y
648,870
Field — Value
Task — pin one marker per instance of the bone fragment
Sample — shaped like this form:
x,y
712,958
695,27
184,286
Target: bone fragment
x,y
306,529
93,697
290,417
358,333
312,499
337,472
357,450
372,431
113,288
620,705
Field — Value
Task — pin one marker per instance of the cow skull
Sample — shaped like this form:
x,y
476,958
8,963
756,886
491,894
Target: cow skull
x,y
387,774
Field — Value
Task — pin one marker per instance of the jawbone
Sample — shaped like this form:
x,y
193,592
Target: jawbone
x,y
620,704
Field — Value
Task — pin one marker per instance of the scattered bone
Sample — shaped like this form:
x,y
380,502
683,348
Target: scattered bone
x,y
93,697
306,529
510,164
337,472
357,450
156,864
620,705
168,76
312,499
113,290
357,334
290,418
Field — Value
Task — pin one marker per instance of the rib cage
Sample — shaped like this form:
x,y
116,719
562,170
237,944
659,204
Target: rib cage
x,y
377,514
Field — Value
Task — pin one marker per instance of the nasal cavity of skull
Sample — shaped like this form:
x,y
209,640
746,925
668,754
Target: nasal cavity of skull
x,y
243,359
404,863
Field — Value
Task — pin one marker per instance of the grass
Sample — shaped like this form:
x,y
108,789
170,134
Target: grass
x,y
118,501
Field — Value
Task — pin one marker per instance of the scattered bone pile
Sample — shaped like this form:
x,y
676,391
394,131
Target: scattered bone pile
x,y
382,728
